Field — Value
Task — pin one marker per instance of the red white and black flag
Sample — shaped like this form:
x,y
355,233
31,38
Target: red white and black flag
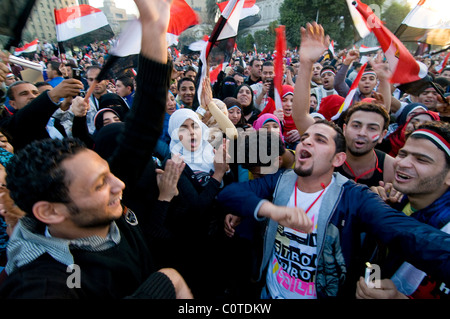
x,y
123,56
182,17
404,68
439,68
427,23
78,25
220,45
27,48
249,14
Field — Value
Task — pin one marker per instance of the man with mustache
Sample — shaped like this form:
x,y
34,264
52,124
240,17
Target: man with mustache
x,y
365,125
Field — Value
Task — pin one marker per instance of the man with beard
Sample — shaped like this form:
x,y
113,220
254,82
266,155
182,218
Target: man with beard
x,y
254,67
264,89
94,101
365,126
422,174
312,235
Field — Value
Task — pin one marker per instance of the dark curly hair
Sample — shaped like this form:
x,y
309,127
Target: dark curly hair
x,y
35,172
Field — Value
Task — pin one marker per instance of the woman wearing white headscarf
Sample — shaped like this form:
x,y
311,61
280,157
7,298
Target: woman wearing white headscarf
x,y
190,248
189,138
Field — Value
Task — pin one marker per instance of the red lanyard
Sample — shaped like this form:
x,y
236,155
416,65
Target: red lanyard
x,y
366,172
315,201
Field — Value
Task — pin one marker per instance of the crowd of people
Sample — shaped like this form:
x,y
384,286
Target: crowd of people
x,y
140,190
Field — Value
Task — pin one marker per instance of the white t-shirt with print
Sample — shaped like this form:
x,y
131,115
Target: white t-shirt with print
x,y
292,267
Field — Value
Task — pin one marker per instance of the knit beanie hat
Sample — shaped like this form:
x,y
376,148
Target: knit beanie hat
x,y
330,105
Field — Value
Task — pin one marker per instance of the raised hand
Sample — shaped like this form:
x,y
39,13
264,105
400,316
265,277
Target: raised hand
x,y
381,69
387,192
154,17
313,42
353,55
3,68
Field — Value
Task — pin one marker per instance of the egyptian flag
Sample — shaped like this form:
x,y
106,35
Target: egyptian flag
x,y
198,46
27,48
79,25
404,67
427,23
13,18
331,48
220,45
182,17
443,64
124,55
351,93
362,30
367,50
280,46
249,14
214,74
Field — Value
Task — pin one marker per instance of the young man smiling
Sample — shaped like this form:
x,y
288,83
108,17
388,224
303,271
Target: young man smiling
x,y
73,200
422,174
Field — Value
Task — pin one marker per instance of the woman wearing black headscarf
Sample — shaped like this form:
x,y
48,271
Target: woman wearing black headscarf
x,y
244,95
111,110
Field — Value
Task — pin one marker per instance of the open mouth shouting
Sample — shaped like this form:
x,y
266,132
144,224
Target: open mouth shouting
x,y
402,177
304,155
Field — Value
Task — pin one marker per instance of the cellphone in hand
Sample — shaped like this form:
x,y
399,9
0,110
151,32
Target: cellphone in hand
x,y
76,74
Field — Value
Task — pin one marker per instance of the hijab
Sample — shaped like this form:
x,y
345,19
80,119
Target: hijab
x,y
98,118
263,119
398,138
203,158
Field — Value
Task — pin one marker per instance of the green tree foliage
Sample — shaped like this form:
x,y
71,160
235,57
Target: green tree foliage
x,y
394,15
265,39
333,15
245,42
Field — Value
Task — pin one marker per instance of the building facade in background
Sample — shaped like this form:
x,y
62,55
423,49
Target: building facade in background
x,y
41,23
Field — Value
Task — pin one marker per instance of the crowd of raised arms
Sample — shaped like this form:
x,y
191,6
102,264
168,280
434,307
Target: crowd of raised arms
x,y
147,189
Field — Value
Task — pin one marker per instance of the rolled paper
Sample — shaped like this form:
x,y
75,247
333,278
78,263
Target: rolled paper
x,y
223,121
